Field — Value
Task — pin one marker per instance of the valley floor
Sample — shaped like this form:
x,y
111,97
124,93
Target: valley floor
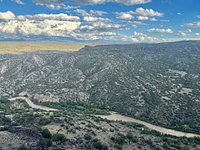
x,y
117,117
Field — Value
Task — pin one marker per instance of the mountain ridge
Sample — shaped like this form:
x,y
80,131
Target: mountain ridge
x,y
159,83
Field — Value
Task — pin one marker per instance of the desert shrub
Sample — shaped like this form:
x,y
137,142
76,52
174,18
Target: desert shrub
x,y
98,145
119,147
87,136
44,121
118,139
59,137
45,142
46,134
129,135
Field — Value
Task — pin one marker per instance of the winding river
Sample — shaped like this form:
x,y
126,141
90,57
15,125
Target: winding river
x,y
32,105
117,117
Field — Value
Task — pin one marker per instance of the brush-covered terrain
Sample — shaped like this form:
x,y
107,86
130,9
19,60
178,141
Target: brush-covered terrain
x,y
159,83
76,127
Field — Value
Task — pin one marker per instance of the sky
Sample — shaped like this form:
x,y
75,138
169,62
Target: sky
x,y
100,21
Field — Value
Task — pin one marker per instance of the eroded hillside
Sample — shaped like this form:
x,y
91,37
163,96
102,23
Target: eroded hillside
x,y
155,82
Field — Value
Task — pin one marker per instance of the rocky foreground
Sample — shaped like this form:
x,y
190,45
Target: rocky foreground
x,y
75,127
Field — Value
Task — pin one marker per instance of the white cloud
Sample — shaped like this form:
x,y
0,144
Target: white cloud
x,y
125,2
142,18
141,37
193,25
197,34
100,27
147,12
135,24
98,13
95,19
49,2
42,17
124,16
54,4
184,33
40,24
18,2
58,25
91,13
156,30
8,15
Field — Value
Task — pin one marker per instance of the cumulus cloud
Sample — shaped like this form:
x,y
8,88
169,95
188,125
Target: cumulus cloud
x,y
8,15
90,13
58,25
184,33
42,17
89,17
157,30
141,37
142,18
124,15
95,19
147,12
54,4
89,2
125,2
101,27
140,13
40,24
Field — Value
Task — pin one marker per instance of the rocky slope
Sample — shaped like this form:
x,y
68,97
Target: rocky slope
x,y
156,82
75,127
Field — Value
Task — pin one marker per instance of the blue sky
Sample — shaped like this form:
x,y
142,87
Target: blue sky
x,y
100,21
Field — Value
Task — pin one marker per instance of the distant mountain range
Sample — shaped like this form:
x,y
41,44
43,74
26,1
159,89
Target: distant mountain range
x,y
159,83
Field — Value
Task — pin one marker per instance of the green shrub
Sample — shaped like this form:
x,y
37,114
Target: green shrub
x,y
46,134
119,147
44,121
45,142
98,145
59,137
118,139
87,136
129,135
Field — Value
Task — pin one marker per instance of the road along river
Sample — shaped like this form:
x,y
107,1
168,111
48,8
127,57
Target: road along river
x,y
32,105
117,117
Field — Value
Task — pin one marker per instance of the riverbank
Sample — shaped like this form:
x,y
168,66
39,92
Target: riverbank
x,y
32,105
117,117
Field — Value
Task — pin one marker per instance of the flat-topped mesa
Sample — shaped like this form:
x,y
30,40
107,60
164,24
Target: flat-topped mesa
x,y
21,47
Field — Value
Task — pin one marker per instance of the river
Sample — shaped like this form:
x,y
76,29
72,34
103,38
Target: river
x,y
32,105
117,117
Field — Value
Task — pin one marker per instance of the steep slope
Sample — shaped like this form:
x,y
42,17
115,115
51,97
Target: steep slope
x,y
156,82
